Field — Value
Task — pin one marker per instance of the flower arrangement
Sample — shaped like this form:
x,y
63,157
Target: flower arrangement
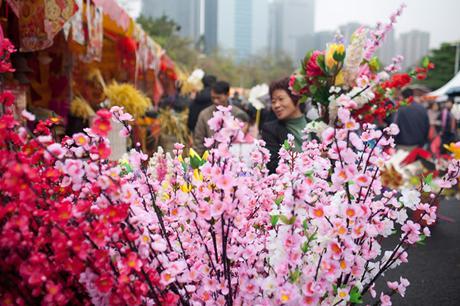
x,y
351,76
76,228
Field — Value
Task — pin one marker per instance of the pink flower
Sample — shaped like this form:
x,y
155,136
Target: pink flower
x,y
346,102
385,299
29,116
55,150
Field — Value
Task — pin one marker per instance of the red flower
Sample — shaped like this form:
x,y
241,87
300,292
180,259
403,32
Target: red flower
x,y
7,98
421,76
170,299
104,283
312,68
101,127
132,261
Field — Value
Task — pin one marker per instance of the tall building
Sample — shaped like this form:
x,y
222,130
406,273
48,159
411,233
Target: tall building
x,y
242,26
348,29
210,25
292,26
413,46
387,50
321,39
186,13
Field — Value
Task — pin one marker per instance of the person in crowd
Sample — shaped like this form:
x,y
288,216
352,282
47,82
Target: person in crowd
x,y
413,123
242,150
220,93
289,120
448,125
236,100
433,116
202,101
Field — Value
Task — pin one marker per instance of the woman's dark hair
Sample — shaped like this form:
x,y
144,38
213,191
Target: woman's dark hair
x,y
283,84
221,88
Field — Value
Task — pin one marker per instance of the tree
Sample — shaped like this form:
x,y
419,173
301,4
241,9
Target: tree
x,y
165,32
444,60
260,68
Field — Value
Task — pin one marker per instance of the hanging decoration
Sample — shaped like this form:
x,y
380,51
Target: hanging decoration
x,y
115,12
40,21
94,19
78,35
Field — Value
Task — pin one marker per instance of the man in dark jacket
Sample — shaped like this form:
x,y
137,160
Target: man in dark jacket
x,y
413,123
202,101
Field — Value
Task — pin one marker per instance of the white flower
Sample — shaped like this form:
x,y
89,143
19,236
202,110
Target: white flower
x,y
410,198
316,127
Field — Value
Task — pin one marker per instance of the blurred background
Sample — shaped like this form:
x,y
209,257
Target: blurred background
x,y
230,38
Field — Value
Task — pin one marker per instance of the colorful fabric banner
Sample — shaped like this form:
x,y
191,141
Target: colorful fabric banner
x,y
95,24
78,35
112,9
41,20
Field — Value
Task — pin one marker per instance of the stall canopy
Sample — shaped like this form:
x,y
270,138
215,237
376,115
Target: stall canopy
x,y
449,88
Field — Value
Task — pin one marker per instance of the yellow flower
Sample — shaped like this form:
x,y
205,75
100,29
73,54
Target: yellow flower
x,y
454,148
193,153
197,175
180,159
332,49
186,188
339,81
205,155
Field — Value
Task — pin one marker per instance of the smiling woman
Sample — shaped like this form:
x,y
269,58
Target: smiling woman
x,y
290,120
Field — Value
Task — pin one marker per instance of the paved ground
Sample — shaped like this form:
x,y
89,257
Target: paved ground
x,y
434,269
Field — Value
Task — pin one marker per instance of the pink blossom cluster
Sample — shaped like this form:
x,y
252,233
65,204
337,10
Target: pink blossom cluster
x,y
378,35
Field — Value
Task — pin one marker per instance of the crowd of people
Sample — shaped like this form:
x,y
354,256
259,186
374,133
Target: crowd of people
x,y
422,125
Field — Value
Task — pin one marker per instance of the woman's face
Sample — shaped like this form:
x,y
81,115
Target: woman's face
x,y
283,106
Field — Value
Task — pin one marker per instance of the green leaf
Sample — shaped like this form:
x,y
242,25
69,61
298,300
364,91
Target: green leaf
x,y
287,221
305,247
279,200
294,276
320,62
303,99
286,145
305,224
274,219
425,62
195,162
374,64
313,89
422,239
429,179
338,57
355,296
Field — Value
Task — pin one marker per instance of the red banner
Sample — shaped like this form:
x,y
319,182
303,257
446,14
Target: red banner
x,y
41,20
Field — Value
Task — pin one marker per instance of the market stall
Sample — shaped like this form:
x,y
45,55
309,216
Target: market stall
x,y
74,52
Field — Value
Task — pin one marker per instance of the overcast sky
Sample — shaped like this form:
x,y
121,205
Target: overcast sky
x,y
439,17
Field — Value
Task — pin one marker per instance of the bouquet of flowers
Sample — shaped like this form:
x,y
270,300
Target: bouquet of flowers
x,y
351,76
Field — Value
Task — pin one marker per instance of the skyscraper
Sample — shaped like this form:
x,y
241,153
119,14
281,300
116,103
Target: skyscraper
x,y
387,50
242,26
186,13
210,25
348,29
292,26
321,39
413,46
